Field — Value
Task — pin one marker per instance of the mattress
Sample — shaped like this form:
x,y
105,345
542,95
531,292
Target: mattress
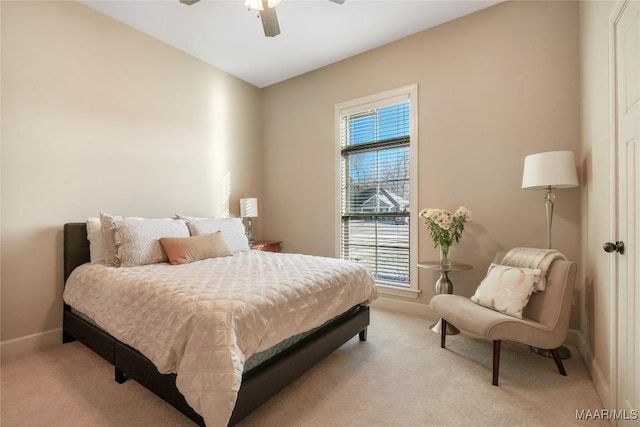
x,y
256,360
204,320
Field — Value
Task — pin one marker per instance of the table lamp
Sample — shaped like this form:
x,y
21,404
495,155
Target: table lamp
x,y
249,210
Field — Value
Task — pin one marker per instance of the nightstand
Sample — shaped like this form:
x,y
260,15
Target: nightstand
x,y
266,246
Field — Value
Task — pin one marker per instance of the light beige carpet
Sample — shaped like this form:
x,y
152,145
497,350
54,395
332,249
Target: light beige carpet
x,y
399,377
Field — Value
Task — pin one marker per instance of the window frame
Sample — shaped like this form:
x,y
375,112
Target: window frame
x,y
398,95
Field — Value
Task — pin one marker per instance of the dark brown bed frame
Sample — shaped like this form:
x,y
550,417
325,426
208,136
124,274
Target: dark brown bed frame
x,y
258,385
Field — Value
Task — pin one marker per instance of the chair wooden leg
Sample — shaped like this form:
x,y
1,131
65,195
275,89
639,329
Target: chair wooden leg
x,y
443,332
496,361
558,360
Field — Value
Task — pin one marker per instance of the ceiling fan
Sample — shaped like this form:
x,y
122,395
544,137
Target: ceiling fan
x,y
267,11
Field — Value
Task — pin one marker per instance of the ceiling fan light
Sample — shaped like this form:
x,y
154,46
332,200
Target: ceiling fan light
x,y
257,4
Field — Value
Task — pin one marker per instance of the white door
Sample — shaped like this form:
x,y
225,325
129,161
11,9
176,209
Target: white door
x,y
626,37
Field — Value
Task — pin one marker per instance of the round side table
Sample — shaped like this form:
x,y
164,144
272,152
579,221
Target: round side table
x,y
444,286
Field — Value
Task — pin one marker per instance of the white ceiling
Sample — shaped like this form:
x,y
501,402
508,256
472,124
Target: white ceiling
x,y
315,33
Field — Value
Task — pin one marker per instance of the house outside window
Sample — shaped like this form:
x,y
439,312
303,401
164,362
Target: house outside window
x,y
377,161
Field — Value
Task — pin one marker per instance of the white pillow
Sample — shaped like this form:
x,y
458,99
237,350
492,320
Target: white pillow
x,y
138,240
94,235
233,231
506,289
193,218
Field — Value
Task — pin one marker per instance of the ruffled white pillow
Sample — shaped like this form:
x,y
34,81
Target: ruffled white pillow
x,y
137,240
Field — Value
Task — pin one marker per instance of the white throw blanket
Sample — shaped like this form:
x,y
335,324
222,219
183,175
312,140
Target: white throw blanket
x,y
533,258
203,320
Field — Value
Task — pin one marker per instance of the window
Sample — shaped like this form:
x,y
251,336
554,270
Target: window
x,y
377,155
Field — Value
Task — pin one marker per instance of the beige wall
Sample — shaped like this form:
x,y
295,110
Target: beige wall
x,y
493,87
97,116
594,37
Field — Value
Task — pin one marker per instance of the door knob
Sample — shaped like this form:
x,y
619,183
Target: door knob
x,y
614,247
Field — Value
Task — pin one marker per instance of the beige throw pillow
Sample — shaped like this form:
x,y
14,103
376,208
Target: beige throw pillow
x,y
506,289
183,250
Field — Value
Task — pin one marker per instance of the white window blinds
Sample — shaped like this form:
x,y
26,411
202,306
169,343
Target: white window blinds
x,y
375,189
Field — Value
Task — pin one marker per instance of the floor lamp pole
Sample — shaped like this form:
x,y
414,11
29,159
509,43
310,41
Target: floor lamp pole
x,y
563,351
548,210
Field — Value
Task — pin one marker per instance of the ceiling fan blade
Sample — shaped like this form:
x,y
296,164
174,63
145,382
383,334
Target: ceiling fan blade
x,y
269,20
189,2
335,1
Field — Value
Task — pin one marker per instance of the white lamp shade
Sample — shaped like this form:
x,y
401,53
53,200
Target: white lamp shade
x,y
553,169
249,208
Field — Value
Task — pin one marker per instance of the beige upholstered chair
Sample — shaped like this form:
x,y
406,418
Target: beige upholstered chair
x,y
544,324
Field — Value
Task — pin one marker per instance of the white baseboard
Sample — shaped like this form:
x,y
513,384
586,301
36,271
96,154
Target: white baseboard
x,y
30,343
600,381
403,306
575,339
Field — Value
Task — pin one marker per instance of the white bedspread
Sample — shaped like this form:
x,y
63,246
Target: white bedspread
x,y
203,320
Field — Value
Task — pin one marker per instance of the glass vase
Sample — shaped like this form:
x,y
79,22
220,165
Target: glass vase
x,y
445,257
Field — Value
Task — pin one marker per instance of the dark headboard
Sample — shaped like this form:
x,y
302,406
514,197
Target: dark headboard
x,y
76,246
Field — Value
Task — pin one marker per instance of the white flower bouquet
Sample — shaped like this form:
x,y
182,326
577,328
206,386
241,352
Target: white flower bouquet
x,y
445,228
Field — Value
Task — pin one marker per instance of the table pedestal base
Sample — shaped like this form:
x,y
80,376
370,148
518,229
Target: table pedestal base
x,y
444,286
437,328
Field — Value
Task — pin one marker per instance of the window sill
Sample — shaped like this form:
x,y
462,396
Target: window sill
x,y
397,291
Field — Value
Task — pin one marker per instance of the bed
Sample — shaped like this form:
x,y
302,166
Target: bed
x,y
261,381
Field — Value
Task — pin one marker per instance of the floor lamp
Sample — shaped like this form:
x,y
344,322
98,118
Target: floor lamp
x,y
549,171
